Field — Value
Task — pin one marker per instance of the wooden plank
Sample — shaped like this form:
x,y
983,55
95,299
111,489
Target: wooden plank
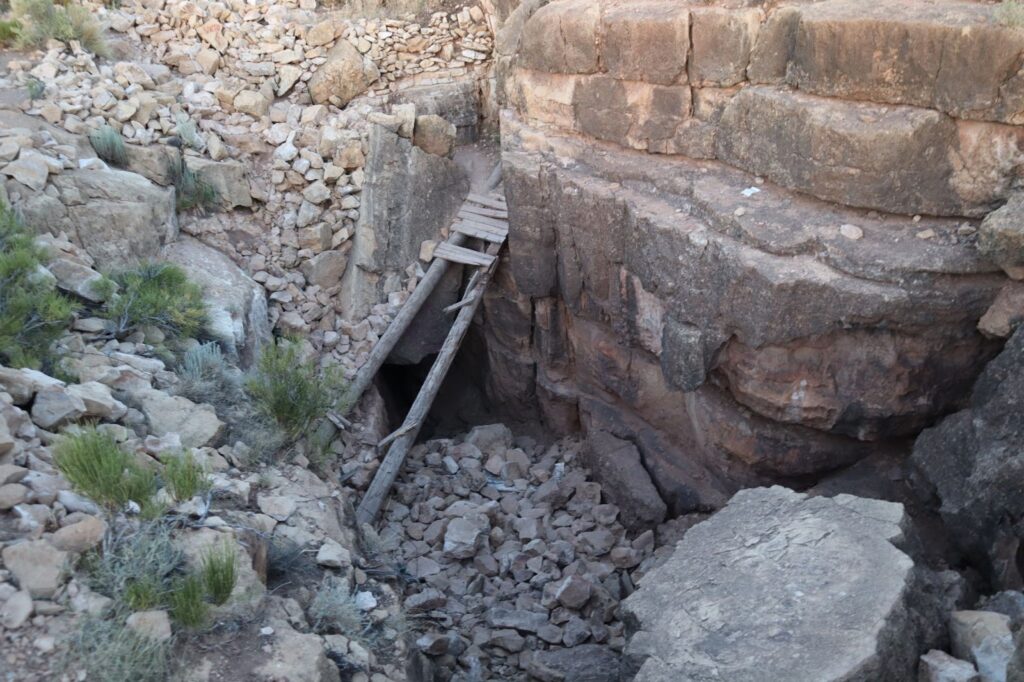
x,y
398,325
490,212
495,229
458,254
484,220
369,506
490,200
478,233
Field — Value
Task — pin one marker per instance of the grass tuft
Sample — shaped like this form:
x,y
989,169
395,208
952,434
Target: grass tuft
x,y
33,314
9,29
106,650
188,608
1010,13
42,20
185,477
218,571
192,190
186,129
97,466
109,145
290,391
157,294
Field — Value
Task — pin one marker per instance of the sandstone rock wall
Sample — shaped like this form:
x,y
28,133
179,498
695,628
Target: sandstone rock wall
x,y
743,238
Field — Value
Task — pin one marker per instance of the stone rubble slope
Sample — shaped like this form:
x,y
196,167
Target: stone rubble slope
x,y
230,90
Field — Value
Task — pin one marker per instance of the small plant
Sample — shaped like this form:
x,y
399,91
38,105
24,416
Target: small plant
x,y
192,190
9,29
42,20
134,566
109,145
334,611
186,129
218,571
106,650
290,391
185,477
36,88
157,294
1010,13
32,313
204,375
97,466
188,608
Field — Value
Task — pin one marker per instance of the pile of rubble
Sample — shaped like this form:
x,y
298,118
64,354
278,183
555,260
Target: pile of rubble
x,y
511,552
247,97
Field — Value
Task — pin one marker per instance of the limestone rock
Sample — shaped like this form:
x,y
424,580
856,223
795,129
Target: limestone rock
x,y
152,624
434,135
342,77
327,268
805,565
197,425
81,536
252,103
297,658
76,278
984,638
118,217
11,495
938,666
236,305
16,610
465,535
38,566
98,400
227,177
55,406
617,465
1001,236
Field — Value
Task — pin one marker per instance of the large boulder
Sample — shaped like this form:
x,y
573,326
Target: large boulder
x,y
236,305
972,461
618,467
781,586
408,197
197,425
116,216
344,76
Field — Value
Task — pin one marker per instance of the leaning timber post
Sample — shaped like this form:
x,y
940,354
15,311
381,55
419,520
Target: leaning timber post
x,y
389,468
406,314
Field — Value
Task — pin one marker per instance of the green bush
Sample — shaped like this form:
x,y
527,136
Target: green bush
x,y
188,608
108,651
218,571
185,477
32,313
109,145
192,191
97,466
292,392
41,20
157,294
135,567
9,30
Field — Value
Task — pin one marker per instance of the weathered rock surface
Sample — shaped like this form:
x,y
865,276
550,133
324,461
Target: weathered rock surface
x,y
972,461
196,424
236,305
780,586
617,465
342,77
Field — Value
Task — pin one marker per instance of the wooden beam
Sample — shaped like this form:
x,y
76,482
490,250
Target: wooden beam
x,y
402,320
386,474
459,254
487,200
471,230
490,212
484,220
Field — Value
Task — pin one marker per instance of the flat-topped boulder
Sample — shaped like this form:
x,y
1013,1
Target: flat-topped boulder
x,y
780,586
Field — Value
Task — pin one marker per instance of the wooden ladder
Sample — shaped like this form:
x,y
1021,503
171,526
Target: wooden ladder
x,y
484,218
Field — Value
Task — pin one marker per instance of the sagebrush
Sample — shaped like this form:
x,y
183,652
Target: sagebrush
x,y
192,190
33,314
108,651
135,565
41,20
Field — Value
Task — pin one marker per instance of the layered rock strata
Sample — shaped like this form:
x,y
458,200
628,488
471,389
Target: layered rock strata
x,y
737,248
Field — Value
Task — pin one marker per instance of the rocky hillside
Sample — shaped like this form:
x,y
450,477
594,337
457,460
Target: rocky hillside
x,y
754,340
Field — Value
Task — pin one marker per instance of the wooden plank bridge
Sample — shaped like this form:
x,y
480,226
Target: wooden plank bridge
x,y
483,220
